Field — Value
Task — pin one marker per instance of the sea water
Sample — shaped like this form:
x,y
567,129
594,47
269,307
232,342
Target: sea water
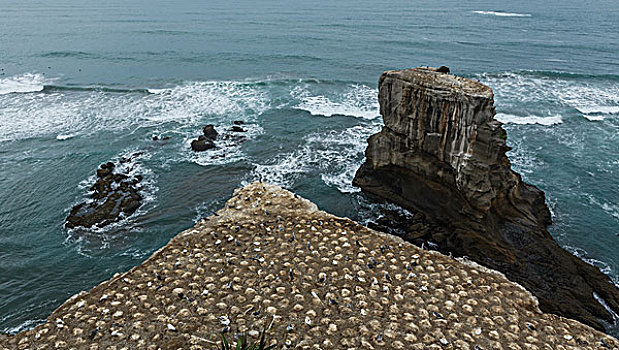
x,y
85,82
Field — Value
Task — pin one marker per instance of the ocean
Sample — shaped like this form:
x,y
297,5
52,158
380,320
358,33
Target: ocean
x,y
85,82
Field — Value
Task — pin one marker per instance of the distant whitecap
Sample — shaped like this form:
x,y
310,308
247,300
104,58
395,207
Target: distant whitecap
x,y
502,14
62,137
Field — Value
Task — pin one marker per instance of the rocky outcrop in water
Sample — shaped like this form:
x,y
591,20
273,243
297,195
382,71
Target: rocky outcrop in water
x,y
210,137
442,154
206,141
115,196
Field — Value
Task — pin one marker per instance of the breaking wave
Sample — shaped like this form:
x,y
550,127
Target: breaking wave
x,y
598,109
531,119
553,93
58,112
333,155
502,14
27,82
568,90
359,101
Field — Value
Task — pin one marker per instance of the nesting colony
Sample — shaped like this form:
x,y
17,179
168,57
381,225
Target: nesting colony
x,y
272,261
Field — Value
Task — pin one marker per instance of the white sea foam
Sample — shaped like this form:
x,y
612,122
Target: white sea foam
x,y
557,94
612,209
192,101
593,118
229,146
598,109
334,156
524,88
358,101
88,112
608,309
502,14
597,113
63,137
530,119
342,180
523,161
609,208
157,91
584,256
27,82
28,324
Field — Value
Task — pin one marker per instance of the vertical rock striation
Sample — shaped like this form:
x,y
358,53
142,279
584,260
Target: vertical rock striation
x,y
441,153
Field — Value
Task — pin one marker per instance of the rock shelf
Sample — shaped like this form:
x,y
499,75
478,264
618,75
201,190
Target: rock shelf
x,y
271,260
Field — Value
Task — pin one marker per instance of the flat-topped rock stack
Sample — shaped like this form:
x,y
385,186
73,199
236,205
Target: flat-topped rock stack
x,y
271,260
442,155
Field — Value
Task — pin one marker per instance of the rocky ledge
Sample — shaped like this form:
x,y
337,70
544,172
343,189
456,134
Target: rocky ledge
x,y
271,260
442,154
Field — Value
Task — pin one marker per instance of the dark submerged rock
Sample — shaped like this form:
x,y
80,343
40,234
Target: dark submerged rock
x,y
236,128
105,169
210,132
125,160
202,144
442,154
114,197
206,141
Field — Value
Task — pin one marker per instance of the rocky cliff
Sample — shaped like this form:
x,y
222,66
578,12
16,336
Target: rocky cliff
x,y
442,154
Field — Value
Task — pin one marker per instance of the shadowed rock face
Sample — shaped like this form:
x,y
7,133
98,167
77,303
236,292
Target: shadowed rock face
x,y
441,153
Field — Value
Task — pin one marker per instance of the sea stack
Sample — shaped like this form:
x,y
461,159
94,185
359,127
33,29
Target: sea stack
x,y
441,153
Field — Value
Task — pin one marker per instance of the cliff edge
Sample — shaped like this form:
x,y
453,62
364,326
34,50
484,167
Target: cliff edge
x,y
442,154
271,260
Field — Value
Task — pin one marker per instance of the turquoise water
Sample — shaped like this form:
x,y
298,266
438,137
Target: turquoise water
x,y
84,82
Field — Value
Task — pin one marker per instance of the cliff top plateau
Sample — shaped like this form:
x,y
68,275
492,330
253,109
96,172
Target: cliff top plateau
x,y
271,260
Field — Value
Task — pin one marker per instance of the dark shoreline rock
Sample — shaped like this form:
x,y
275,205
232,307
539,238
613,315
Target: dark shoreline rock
x,y
202,144
114,196
211,138
206,141
441,153
210,132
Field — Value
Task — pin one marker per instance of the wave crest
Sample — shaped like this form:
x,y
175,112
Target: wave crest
x,y
502,14
27,82
357,101
48,113
530,119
